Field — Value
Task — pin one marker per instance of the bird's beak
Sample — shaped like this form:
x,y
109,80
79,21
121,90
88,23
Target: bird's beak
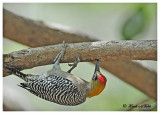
x,y
97,66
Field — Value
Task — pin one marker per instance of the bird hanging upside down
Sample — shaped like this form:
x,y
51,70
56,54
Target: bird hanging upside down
x,y
62,87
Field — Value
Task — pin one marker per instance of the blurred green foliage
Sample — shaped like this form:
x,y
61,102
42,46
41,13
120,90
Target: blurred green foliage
x,y
137,22
134,25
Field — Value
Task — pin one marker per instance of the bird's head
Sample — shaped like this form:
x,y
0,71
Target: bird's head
x,y
98,82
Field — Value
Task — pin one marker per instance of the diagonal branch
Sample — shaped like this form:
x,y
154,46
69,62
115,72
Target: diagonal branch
x,y
134,73
36,33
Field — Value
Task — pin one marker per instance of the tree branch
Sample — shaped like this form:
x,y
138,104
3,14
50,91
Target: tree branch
x,y
134,73
89,51
36,33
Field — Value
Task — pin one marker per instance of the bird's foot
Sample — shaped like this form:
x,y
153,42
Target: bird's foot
x,y
74,65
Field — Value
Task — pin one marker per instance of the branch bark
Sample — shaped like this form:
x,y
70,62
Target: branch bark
x,y
89,51
134,73
34,34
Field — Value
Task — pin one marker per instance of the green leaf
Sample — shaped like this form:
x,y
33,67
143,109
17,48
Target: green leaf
x,y
134,24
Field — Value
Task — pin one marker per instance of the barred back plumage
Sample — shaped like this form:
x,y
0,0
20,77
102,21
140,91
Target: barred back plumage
x,y
55,89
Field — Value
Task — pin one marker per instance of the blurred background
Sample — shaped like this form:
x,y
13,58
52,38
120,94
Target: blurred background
x,y
105,21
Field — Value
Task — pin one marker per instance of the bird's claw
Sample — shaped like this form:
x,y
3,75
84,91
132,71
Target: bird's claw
x,y
74,64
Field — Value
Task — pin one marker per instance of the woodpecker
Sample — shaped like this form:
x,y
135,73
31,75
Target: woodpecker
x,y
62,87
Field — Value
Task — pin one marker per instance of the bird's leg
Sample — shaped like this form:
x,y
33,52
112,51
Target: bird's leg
x,y
59,56
74,65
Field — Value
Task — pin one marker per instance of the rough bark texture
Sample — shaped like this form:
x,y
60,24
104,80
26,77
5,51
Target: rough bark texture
x,y
34,34
89,51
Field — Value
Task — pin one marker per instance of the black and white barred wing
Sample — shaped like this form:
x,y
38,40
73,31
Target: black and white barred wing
x,y
55,89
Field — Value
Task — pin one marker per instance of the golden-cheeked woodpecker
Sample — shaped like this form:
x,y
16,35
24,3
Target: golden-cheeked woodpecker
x,y
62,87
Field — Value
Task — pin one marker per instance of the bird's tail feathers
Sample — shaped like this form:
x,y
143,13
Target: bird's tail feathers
x,y
17,73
